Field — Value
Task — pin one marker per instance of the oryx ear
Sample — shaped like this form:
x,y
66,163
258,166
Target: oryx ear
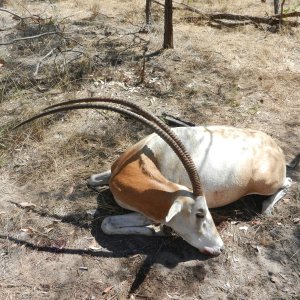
x,y
174,210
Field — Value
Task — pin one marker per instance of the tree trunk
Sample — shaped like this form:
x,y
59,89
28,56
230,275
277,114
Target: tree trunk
x,y
148,13
276,7
168,35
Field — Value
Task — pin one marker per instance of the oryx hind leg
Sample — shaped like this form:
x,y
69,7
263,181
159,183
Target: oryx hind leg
x,y
269,203
99,179
132,223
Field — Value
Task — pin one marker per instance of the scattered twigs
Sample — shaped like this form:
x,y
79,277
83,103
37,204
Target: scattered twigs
x,y
234,17
228,24
62,60
237,20
79,54
12,13
41,60
157,2
59,33
15,16
29,38
287,15
174,7
44,28
35,18
189,8
69,38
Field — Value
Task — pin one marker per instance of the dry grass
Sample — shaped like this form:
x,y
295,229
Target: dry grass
x,y
230,76
225,70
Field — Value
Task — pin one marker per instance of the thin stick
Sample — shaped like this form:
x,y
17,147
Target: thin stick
x,y
41,60
68,38
29,38
12,13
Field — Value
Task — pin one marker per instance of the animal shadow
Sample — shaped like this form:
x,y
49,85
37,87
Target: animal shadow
x,y
175,249
135,244
167,251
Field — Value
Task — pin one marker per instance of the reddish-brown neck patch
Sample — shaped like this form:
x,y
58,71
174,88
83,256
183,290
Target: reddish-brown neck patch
x,y
138,184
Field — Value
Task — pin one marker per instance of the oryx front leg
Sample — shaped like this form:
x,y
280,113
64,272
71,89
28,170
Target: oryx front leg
x,y
132,223
99,179
268,204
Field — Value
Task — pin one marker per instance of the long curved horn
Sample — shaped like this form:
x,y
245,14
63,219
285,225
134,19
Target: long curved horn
x,y
187,163
136,109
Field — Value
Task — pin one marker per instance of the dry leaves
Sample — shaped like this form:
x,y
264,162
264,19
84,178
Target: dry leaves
x,y
27,205
106,290
29,230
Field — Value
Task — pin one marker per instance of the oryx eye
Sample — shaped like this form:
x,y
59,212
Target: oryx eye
x,y
200,213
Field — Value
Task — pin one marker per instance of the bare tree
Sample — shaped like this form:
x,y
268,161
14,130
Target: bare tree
x,y
148,13
276,7
168,35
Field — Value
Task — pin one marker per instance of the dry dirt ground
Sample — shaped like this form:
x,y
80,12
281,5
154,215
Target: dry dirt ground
x,y
51,244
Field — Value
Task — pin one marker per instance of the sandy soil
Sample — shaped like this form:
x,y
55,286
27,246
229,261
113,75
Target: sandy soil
x,y
51,244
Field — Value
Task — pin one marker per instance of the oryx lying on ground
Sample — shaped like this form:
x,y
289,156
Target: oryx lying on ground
x,y
150,180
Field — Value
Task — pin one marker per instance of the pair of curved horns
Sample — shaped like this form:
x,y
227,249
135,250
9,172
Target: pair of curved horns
x,y
140,114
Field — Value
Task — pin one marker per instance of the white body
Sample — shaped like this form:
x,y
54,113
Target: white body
x,y
150,180
231,162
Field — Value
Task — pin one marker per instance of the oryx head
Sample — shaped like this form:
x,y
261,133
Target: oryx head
x,y
191,219
188,215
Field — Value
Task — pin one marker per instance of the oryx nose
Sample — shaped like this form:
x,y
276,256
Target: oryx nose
x,y
212,251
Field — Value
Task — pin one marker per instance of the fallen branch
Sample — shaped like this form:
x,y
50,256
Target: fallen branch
x,y
287,15
239,19
222,23
225,15
35,18
251,18
29,38
59,33
12,13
